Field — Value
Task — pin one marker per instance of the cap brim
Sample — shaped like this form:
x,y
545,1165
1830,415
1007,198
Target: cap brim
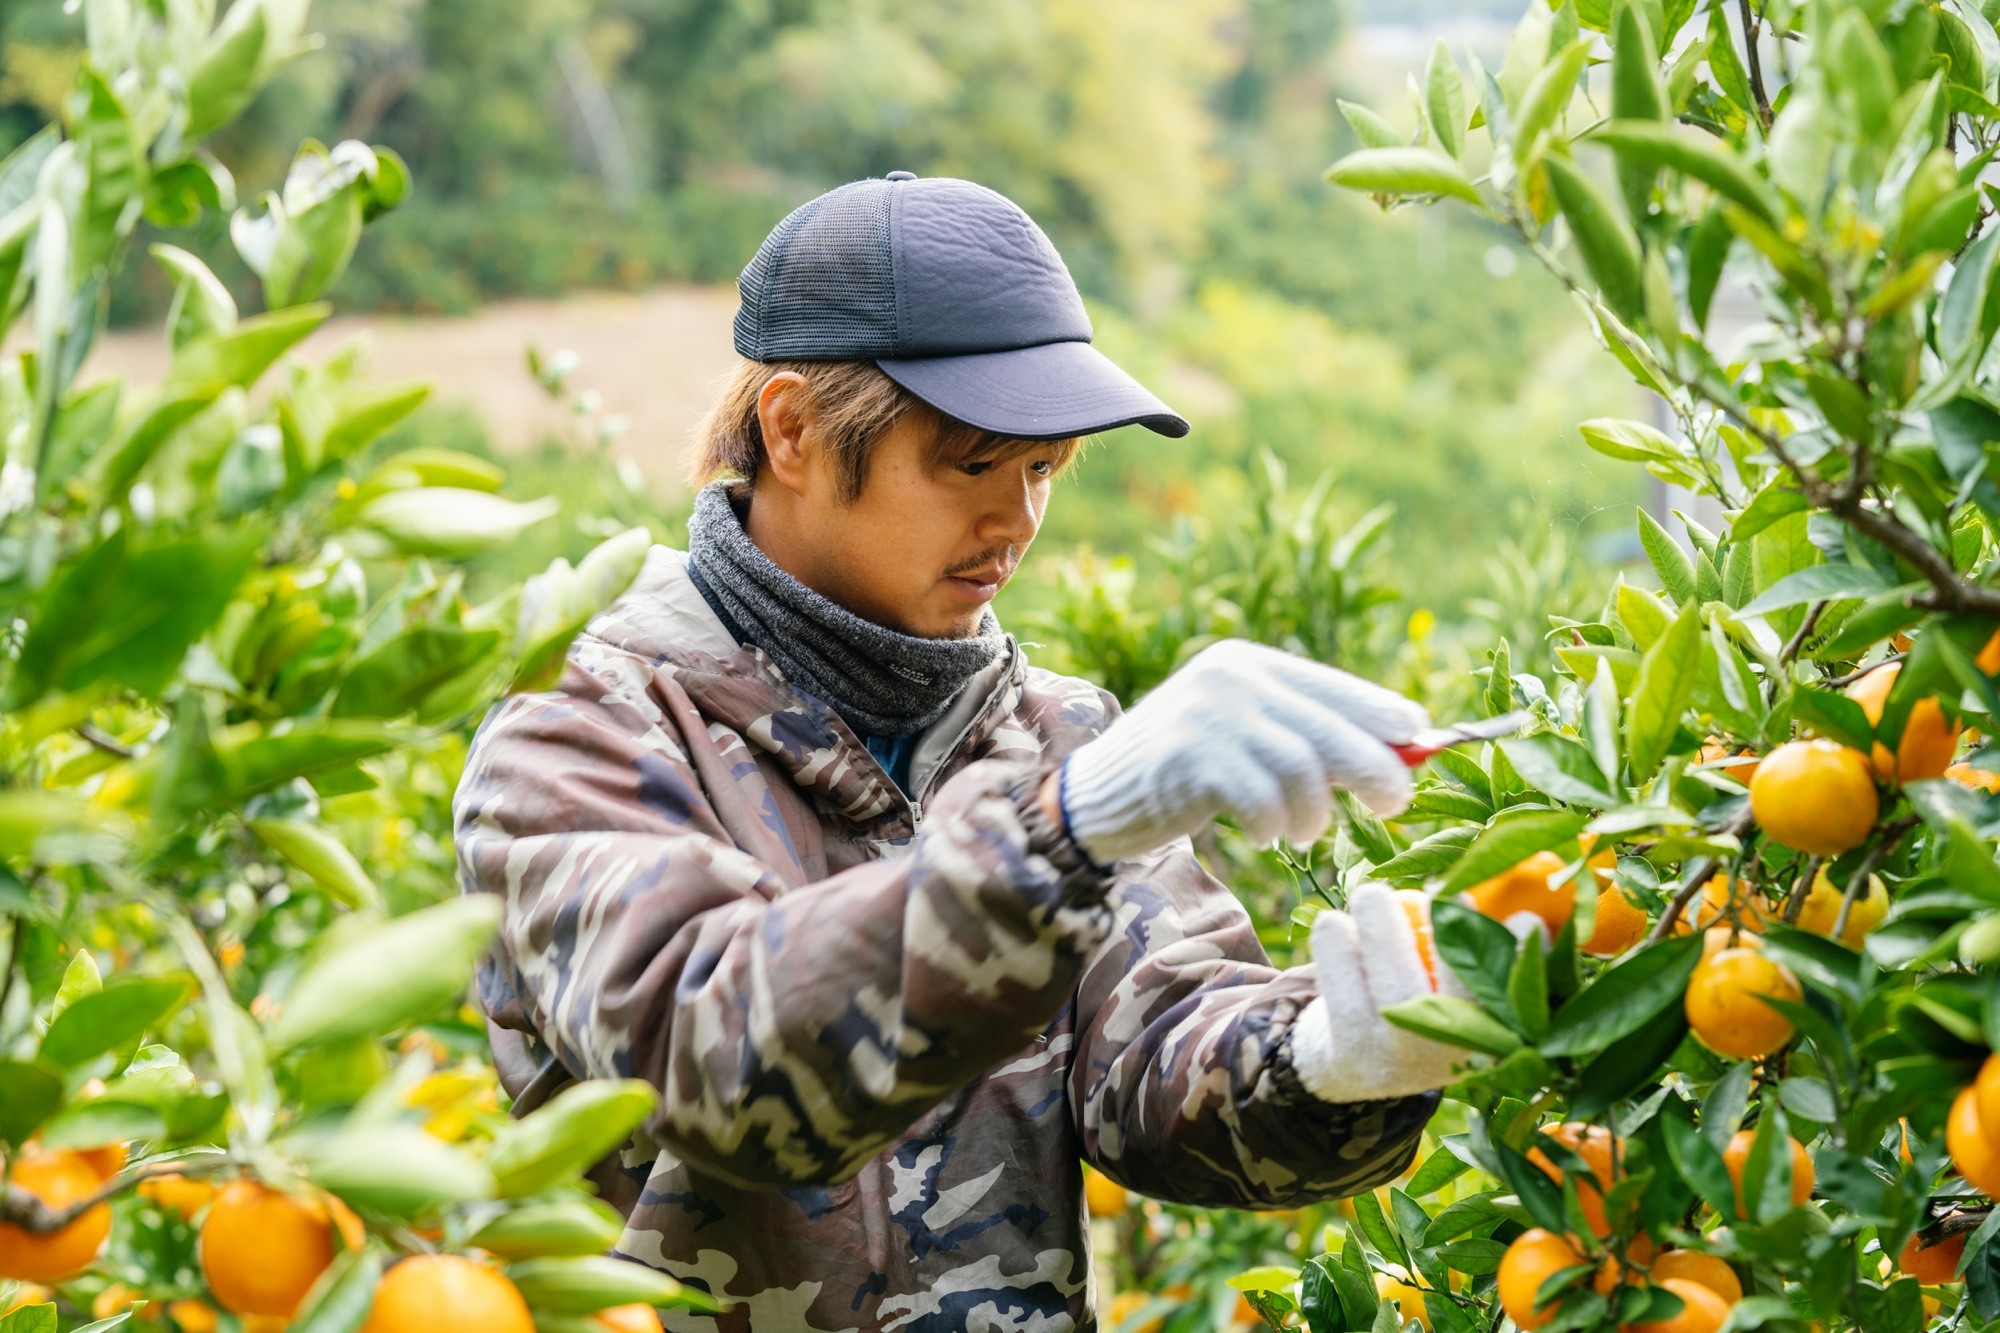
x,y
1051,392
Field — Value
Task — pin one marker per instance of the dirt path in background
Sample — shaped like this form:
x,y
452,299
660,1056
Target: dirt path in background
x,y
655,357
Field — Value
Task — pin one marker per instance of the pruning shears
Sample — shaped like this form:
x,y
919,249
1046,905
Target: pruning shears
x,y
1432,739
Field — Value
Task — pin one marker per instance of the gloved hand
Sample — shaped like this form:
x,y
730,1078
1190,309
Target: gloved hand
x,y
1367,959
1243,730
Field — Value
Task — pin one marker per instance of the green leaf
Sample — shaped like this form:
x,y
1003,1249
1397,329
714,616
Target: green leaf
x,y
557,604
1444,100
117,1015
322,856
1609,246
1667,678
1402,171
37,1318
1428,855
397,677
1700,1164
1478,949
1675,569
586,1285
1560,767
1547,96
574,1226
1659,145
1624,1067
208,364
29,1095
1371,129
201,303
386,978
396,1169
1629,441
1454,1022
1528,987
1438,1170
339,1302
574,1130
226,79
449,522
1510,840
1642,615
1624,998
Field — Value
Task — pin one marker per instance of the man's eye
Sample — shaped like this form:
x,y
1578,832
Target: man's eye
x,y
976,469
1044,468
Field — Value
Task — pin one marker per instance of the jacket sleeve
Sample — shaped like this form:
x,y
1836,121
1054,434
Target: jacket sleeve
x,y
1183,1081
793,1031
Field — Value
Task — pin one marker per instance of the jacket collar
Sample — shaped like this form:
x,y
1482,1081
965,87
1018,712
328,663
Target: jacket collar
x,y
664,618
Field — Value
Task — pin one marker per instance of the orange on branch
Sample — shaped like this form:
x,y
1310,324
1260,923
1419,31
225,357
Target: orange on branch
x,y
1694,1266
1986,1088
1932,1265
1821,909
1928,740
59,1179
1596,1146
1980,779
1725,1002
1621,923
1972,1149
1988,660
1737,1155
1535,1256
262,1249
175,1193
1104,1196
1614,1267
1416,906
1815,796
1702,1311
107,1160
193,1316
446,1293
1742,767
1406,1297
1525,887
628,1319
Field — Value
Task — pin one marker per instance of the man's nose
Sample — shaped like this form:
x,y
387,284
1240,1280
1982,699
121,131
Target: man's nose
x,y
1013,513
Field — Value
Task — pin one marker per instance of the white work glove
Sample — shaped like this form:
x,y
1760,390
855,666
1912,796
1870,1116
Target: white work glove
x,y
1366,959
1243,730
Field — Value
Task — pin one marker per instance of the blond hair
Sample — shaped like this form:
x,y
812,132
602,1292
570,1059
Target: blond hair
x,y
853,404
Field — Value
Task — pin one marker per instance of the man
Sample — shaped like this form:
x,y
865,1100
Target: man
x,y
901,927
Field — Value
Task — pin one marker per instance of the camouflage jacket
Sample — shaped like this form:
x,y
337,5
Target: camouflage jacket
x,y
884,1030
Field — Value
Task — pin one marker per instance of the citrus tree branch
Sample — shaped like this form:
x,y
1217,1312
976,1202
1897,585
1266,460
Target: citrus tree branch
x,y
1697,875
27,1211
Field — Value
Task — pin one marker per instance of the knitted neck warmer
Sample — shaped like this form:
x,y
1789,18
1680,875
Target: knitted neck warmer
x,y
885,683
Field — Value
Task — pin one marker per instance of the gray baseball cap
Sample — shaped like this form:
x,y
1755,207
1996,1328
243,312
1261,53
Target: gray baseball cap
x,y
955,293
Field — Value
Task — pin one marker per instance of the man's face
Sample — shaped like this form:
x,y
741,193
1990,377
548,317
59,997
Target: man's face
x,y
923,549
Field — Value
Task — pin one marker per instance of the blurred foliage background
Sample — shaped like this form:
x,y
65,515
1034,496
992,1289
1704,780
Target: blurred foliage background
x,y
1173,151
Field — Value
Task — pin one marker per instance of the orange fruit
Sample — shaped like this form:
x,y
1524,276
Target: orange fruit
x,y
1621,923
1821,909
106,1160
1988,660
1702,1310
1104,1196
1972,1150
1706,1269
1597,1147
193,1316
1965,775
1737,1154
1416,906
114,1299
262,1249
1407,1298
1126,1304
1535,1256
1986,1088
628,1319
1614,1267
1743,767
1928,739
174,1193
1932,1265
1525,888
1815,796
58,1179
1725,1005
446,1293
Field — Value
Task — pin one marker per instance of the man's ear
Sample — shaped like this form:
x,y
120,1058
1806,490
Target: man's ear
x,y
784,416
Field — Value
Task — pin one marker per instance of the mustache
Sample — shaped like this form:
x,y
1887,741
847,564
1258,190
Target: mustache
x,y
1007,556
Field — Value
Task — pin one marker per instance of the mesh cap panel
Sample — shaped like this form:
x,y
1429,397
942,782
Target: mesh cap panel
x,y
822,285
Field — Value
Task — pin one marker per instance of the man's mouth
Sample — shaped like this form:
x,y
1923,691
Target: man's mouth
x,y
981,583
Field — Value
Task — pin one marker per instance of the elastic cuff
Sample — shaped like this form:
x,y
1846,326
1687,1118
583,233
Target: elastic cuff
x,y
1081,876
1062,803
